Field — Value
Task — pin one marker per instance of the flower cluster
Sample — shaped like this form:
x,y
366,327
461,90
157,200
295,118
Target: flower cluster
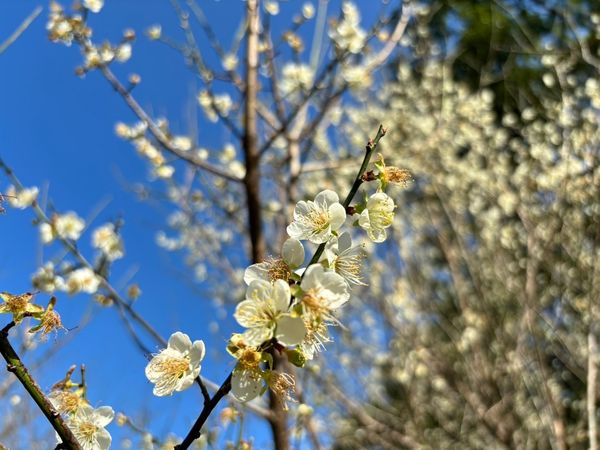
x,y
21,306
88,424
288,309
66,28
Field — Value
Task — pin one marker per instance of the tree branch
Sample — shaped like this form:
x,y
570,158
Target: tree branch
x,y
16,366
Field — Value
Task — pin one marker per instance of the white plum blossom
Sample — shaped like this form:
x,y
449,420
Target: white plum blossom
x,y
358,77
323,293
66,401
46,280
93,5
230,62
316,221
345,259
123,52
88,427
165,171
247,379
278,268
296,77
46,233
347,34
308,10
377,216
272,7
176,367
108,241
222,104
22,198
82,280
68,225
265,314
154,32
181,143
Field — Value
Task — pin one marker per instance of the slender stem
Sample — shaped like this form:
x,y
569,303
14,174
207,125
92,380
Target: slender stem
x,y
371,146
196,429
20,30
16,366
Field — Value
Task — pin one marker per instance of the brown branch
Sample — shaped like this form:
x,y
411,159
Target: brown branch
x,y
196,429
158,133
16,366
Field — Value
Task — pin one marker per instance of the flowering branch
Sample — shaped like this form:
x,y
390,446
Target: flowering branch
x,y
371,146
269,346
16,366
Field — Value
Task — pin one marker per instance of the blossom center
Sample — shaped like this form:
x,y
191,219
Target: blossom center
x,y
314,303
17,302
278,269
249,358
87,430
319,218
173,367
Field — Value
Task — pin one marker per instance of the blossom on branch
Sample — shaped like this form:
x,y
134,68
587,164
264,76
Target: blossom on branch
x,y
175,367
19,306
108,242
344,259
88,427
22,198
265,314
317,220
377,216
292,256
323,293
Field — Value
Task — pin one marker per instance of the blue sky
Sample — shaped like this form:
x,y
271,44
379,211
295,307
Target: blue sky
x,y
56,131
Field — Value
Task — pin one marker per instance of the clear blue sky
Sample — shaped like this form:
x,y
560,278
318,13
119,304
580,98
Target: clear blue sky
x,y
56,131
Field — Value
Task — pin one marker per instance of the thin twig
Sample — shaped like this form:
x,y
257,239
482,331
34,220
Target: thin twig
x,y
371,146
20,30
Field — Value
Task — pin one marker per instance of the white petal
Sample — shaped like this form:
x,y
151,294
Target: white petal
x,y
364,221
246,313
327,197
281,295
297,231
185,382
258,290
290,330
302,208
311,277
244,386
103,416
344,242
337,216
104,439
293,253
197,353
377,234
258,335
258,271
322,237
180,341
